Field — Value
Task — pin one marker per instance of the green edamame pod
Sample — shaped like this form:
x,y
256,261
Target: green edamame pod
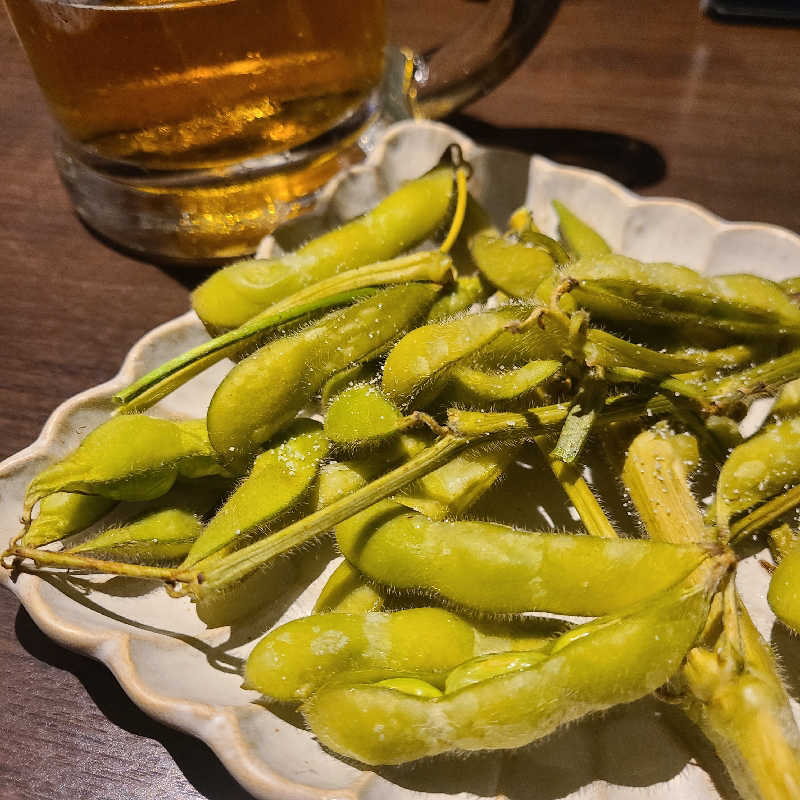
x,y
160,538
784,589
656,475
738,701
580,238
346,591
261,394
610,661
758,469
63,513
279,479
473,386
496,569
164,533
130,458
236,293
418,365
619,288
450,490
515,267
787,403
344,379
466,291
757,295
293,661
362,416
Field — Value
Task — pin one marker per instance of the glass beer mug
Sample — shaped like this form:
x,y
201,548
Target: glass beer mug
x,y
189,129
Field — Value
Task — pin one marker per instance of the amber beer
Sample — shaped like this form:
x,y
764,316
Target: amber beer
x,y
202,83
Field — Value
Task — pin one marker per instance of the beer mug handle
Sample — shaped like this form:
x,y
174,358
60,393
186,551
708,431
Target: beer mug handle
x,y
478,59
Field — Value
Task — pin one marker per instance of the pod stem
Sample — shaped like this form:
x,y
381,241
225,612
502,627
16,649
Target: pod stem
x,y
69,561
218,573
579,493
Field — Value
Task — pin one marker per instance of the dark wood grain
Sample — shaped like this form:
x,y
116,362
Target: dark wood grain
x,y
719,102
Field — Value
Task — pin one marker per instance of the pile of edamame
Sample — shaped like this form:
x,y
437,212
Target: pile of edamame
x,y
432,367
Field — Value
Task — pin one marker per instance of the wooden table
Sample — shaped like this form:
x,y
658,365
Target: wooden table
x,y
719,102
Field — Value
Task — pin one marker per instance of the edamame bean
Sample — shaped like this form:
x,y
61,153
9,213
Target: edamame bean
x,y
279,479
485,667
236,293
496,569
614,660
294,660
261,394
130,458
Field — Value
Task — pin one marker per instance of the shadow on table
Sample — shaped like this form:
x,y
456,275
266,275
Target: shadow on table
x,y
196,761
633,162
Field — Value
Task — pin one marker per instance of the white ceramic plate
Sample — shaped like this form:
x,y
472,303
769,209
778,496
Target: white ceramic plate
x,y
184,675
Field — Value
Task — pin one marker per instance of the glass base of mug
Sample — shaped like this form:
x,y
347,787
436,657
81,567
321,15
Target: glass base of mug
x,y
206,215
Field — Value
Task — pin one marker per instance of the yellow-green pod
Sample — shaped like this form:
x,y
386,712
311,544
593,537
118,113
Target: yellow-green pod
x,y
757,295
466,291
163,534
344,379
758,469
787,403
515,267
263,393
130,458
621,660
347,591
362,416
784,589
417,367
294,660
580,238
496,569
63,513
236,293
279,479
475,387
450,490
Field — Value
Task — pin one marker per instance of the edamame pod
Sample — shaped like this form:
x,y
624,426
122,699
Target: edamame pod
x,y
362,416
160,538
450,490
130,458
279,479
607,662
63,513
784,589
738,701
417,367
758,469
293,661
518,571
472,386
515,267
346,591
236,293
261,394
580,238
466,291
